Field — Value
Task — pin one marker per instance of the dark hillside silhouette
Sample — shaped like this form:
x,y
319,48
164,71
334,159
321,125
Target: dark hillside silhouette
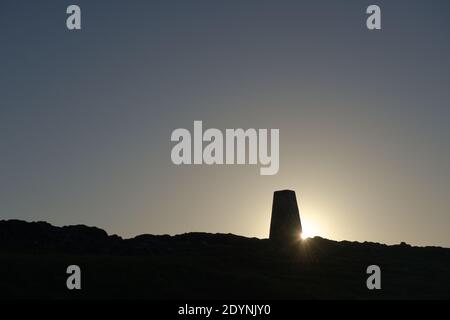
x,y
34,257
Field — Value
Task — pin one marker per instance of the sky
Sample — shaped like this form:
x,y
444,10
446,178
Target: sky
x,y
86,116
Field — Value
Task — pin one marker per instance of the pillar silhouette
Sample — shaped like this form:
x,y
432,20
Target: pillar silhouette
x,y
285,225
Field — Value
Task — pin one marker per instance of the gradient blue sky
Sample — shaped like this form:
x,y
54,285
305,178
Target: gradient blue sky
x,y
86,117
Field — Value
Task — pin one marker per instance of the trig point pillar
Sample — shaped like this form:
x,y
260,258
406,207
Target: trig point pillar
x,y
285,226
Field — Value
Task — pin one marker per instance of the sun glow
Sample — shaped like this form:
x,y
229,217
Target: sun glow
x,y
309,231
304,236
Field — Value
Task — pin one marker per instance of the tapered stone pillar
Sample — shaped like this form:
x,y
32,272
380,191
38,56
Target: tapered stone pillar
x,y
285,225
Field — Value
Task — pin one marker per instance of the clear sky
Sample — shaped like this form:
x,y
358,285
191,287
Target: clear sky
x,y
86,117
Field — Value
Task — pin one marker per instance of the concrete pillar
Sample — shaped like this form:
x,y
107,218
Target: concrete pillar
x,y
285,225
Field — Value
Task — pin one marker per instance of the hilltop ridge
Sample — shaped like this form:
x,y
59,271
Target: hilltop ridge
x,y
34,257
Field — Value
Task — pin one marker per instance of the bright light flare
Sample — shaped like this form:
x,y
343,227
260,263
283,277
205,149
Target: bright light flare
x,y
309,231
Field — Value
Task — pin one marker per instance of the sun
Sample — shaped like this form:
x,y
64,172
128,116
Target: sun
x,y
308,231
304,236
